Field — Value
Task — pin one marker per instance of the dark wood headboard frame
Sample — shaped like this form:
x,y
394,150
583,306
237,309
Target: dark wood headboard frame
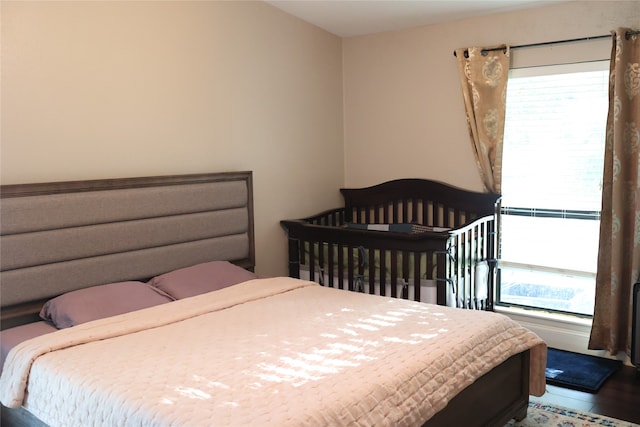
x,y
419,201
57,237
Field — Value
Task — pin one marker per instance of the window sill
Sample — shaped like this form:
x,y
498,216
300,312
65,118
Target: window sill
x,y
543,316
564,332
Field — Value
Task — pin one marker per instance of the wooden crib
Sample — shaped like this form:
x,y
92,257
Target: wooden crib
x,y
402,238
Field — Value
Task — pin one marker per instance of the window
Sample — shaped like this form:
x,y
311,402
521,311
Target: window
x,y
552,164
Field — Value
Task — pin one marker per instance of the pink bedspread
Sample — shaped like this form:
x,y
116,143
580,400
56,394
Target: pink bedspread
x,y
265,352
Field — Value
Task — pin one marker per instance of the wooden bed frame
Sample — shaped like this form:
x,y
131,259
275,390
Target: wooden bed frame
x,y
344,255
493,400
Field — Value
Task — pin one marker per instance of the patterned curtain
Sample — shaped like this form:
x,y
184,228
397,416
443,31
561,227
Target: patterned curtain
x,y
619,253
483,74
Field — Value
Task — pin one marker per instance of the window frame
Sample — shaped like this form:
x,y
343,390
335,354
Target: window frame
x,y
542,212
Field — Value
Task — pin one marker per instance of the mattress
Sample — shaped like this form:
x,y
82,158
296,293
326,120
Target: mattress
x,y
276,351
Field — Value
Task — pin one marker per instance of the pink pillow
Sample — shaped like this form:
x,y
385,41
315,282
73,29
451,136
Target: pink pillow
x,y
201,278
97,302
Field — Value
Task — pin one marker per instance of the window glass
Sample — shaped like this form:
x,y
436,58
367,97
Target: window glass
x,y
554,136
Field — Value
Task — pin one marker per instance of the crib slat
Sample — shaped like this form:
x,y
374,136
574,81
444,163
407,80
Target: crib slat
x,y
443,265
405,274
460,251
361,264
350,269
429,263
459,271
382,280
437,216
473,257
405,210
394,273
312,261
372,271
340,267
466,269
416,276
330,264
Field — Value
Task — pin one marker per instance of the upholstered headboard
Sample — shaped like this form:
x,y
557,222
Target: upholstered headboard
x,y
61,236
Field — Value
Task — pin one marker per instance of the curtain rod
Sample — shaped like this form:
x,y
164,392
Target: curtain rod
x,y
627,35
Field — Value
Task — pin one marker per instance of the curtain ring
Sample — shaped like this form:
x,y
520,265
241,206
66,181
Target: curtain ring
x,y
465,53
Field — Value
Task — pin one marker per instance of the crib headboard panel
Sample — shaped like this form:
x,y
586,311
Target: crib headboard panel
x,y
416,200
62,236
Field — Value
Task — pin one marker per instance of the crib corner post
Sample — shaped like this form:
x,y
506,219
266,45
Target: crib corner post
x,y
442,283
294,258
494,280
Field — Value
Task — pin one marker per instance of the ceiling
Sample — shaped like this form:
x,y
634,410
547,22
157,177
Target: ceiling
x,y
348,18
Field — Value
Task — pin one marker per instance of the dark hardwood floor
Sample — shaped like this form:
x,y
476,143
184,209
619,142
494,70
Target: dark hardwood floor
x,y
618,398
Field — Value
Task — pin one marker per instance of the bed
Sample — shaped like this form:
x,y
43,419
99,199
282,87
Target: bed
x,y
409,238
234,349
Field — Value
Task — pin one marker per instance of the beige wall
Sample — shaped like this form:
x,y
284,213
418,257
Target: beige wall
x,y
117,89
403,107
